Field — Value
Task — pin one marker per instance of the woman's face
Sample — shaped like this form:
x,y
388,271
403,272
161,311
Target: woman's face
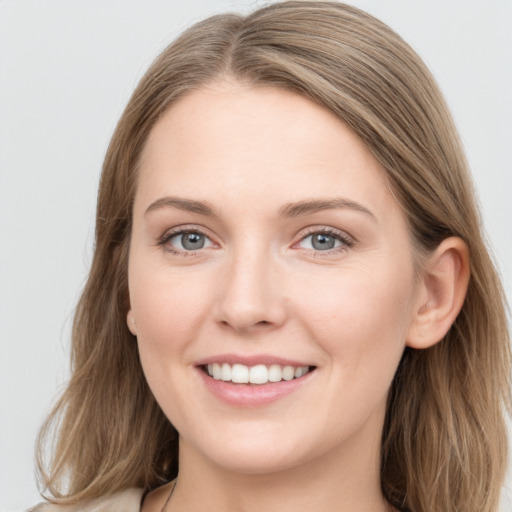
x,y
266,244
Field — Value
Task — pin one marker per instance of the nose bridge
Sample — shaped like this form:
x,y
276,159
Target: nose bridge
x,y
250,294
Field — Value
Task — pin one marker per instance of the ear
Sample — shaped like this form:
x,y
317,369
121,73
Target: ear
x,y
442,292
130,320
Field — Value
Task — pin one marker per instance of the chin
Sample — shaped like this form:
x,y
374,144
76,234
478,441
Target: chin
x,y
257,462
255,452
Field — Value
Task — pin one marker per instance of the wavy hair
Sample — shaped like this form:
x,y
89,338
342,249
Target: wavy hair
x,y
444,445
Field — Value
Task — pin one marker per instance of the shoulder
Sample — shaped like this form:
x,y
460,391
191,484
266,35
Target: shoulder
x,y
123,501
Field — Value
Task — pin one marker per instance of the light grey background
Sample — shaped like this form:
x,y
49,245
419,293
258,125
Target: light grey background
x,y
67,69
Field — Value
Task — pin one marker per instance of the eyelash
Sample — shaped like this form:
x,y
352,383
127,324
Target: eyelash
x,y
169,235
346,241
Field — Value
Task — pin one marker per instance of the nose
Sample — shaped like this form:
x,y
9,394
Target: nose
x,y
251,295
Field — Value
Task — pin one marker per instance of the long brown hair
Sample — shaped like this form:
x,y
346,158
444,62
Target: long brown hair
x,y
444,441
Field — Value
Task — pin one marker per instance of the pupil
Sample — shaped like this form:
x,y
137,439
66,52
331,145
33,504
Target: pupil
x,y
322,242
192,241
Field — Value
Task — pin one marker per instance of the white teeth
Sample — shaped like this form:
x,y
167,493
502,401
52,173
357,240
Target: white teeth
x,y
225,372
240,374
274,373
288,372
216,371
259,374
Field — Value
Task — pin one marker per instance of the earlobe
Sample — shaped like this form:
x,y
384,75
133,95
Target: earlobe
x,y
443,290
130,320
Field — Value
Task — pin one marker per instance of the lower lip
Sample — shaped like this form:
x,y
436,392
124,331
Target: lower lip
x,y
252,395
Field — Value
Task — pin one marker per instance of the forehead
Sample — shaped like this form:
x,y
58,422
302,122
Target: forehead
x,y
230,139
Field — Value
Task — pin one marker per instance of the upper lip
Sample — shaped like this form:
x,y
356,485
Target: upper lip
x,y
250,360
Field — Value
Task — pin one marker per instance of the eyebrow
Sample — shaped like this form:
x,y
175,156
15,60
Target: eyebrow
x,y
188,205
288,210
317,205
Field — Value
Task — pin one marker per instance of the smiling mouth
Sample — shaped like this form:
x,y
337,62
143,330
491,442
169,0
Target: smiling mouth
x,y
258,374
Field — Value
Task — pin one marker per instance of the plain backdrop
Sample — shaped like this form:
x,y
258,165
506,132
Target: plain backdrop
x,y
67,69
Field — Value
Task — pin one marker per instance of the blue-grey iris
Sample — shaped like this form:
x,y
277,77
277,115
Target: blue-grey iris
x,y
322,242
192,241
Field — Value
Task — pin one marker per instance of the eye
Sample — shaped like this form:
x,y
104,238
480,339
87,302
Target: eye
x,y
325,241
189,241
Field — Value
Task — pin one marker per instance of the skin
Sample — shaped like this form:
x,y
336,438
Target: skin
x,y
259,287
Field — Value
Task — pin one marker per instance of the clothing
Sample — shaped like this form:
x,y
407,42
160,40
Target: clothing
x,y
128,500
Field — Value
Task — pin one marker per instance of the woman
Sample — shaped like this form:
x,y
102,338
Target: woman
x,y
289,286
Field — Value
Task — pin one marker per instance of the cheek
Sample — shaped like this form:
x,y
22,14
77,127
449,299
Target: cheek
x,y
361,318
169,310
166,304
